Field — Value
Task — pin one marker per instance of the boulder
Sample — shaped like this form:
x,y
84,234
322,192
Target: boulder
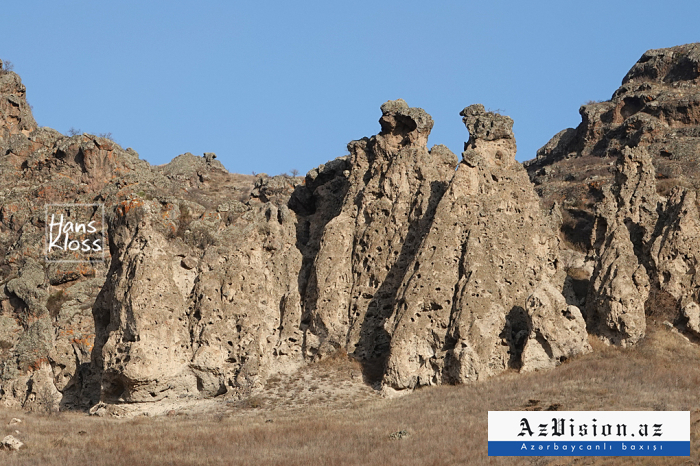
x,y
11,443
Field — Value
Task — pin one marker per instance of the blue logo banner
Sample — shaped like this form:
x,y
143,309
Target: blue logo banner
x,y
573,448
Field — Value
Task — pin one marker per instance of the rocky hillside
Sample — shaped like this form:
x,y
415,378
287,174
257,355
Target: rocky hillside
x,y
425,268
656,108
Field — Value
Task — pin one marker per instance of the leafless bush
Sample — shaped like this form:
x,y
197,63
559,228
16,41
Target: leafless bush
x,y
55,302
6,66
44,401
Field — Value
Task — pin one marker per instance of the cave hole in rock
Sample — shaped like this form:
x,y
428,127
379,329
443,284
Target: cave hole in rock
x,y
515,333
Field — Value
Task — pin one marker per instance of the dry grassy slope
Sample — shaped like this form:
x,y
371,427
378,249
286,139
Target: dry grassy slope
x,y
446,424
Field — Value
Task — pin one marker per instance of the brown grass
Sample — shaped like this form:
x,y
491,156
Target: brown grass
x,y
445,425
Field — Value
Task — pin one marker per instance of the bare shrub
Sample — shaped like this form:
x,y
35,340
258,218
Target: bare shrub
x,y
45,402
6,66
55,301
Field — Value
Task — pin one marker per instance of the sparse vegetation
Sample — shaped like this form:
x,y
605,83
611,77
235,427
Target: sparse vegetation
x,y
202,238
143,194
74,132
7,66
55,301
183,221
45,402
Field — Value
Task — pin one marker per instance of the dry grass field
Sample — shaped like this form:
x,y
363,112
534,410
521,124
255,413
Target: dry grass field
x,y
300,422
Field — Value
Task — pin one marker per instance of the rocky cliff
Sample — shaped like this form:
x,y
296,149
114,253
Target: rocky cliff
x,y
424,268
626,180
656,108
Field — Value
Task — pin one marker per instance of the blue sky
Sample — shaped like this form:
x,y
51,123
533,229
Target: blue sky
x,y
273,86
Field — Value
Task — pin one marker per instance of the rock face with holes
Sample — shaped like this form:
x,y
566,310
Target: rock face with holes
x,y
52,335
426,270
196,315
626,221
394,186
626,181
213,282
647,254
460,313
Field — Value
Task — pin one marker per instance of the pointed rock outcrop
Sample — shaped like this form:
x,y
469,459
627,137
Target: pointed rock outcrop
x,y
15,113
461,310
625,224
395,184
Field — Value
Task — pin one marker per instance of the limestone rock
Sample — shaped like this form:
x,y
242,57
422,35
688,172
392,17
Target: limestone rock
x,y
656,109
11,443
15,113
675,255
47,320
557,330
394,185
165,330
425,270
626,220
30,287
148,337
460,308
691,311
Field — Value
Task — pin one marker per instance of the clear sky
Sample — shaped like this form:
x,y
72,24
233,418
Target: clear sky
x,y
272,86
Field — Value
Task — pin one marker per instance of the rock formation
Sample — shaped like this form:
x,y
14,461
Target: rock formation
x,y
50,325
425,270
197,315
460,314
625,223
655,108
675,257
395,184
556,330
647,251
